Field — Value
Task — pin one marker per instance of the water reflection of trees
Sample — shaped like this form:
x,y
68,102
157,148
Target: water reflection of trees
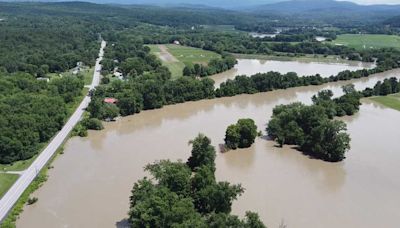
x,y
240,159
327,177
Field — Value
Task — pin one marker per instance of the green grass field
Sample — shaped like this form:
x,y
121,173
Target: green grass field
x,y
189,55
6,181
391,101
184,55
370,41
85,71
88,75
18,165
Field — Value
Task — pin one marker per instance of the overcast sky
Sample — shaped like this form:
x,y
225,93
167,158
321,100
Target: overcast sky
x,y
369,2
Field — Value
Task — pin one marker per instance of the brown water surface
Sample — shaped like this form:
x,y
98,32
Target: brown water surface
x,y
91,182
301,67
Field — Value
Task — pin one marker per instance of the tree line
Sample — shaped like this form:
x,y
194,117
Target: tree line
x,y
215,66
263,82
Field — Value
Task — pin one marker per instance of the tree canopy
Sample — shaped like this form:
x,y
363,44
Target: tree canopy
x,y
241,135
187,195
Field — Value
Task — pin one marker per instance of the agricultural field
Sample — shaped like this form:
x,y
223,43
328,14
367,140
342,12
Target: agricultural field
x,y
175,57
371,41
391,101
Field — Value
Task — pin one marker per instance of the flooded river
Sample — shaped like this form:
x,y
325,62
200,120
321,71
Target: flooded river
x,y
302,68
91,182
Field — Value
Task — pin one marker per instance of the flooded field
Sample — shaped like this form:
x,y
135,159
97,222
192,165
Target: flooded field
x,y
302,68
91,182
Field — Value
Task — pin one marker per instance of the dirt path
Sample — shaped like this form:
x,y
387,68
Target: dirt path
x,y
165,55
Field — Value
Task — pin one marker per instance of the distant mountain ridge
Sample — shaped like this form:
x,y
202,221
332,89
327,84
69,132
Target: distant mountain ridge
x,y
228,4
303,6
289,6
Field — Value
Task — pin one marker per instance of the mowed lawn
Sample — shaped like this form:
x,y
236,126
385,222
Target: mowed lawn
x,y
189,55
391,101
368,41
184,55
6,181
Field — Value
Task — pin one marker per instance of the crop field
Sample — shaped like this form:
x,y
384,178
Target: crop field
x,y
371,41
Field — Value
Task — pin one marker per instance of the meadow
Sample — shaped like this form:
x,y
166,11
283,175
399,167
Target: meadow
x,y
368,41
391,101
184,56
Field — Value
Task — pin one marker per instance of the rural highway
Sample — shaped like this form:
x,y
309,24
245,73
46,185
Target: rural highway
x,y
27,176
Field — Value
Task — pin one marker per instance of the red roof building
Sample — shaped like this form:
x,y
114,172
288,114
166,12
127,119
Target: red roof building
x,y
110,100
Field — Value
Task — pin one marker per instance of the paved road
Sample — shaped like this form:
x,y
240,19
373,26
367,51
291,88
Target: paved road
x,y
13,194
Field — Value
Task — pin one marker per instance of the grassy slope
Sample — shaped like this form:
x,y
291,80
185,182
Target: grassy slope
x,y
185,55
370,41
392,101
6,181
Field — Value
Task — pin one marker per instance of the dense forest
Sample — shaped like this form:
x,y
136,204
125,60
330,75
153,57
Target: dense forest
x,y
32,112
41,45
33,46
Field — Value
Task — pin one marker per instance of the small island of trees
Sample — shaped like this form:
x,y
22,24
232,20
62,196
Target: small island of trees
x,y
187,195
241,135
312,128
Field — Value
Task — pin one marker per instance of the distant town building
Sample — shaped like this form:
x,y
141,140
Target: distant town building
x,y
43,79
118,75
78,68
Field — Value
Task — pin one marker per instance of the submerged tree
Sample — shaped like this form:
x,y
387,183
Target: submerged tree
x,y
187,195
241,135
312,128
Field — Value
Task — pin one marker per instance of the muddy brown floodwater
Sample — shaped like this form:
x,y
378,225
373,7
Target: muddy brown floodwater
x,y
91,182
301,67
